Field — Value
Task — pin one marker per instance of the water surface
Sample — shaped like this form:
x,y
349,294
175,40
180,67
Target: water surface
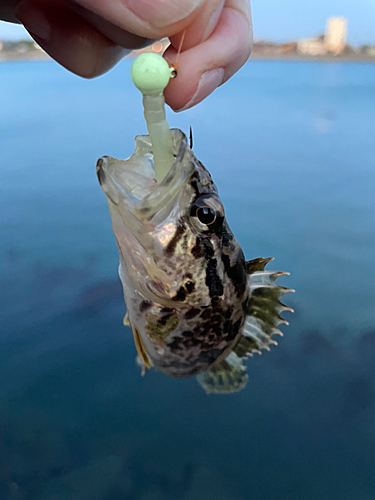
x,y
290,146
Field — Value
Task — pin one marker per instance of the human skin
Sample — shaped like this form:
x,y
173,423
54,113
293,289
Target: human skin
x,y
88,37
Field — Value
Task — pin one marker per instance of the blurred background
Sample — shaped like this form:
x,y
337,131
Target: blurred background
x,y
290,144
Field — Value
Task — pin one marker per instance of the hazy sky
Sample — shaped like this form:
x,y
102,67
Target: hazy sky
x,y
289,19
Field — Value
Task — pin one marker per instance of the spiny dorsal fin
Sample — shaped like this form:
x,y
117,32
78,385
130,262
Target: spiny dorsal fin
x,y
263,309
257,264
224,377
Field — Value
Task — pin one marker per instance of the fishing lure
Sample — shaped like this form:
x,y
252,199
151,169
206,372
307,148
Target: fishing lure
x,y
195,306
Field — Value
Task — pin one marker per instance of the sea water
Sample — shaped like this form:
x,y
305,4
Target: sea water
x,y
291,148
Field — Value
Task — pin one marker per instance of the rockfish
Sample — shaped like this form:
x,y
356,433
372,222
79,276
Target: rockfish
x,y
196,307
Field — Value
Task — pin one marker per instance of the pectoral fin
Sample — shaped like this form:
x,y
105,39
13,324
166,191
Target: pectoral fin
x,y
142,358
126,321
224,377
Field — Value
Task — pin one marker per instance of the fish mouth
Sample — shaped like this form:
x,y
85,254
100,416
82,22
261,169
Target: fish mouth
x,y
144,212
131,184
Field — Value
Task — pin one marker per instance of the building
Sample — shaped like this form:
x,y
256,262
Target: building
x,y
311,47
335,35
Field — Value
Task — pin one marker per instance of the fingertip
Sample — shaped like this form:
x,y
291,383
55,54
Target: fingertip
x,y
207,83
201,69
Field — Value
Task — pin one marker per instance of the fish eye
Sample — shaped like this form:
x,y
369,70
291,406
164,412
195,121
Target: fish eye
x,y
206,215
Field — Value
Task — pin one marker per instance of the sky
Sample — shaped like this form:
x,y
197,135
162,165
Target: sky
x,y
285,20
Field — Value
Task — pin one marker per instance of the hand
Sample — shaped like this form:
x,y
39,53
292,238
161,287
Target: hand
x,y
88,37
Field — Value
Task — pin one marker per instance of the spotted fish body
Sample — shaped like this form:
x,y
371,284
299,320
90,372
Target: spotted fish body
x,y
195,306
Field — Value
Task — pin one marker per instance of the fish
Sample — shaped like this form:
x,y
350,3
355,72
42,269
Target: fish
x,y
195,305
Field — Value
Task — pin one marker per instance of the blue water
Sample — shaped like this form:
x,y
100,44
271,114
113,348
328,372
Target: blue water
x,y
291,148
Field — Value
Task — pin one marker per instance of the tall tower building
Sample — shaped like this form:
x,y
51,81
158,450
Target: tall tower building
x,y
335,35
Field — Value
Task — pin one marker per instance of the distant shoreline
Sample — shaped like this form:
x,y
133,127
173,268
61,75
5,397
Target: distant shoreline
x,y
14,56
38,55
302,58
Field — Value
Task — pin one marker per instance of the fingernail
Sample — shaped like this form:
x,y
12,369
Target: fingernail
x,y
34,21
208,82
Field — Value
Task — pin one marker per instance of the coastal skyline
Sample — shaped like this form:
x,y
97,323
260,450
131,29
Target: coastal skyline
x,y
289,21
